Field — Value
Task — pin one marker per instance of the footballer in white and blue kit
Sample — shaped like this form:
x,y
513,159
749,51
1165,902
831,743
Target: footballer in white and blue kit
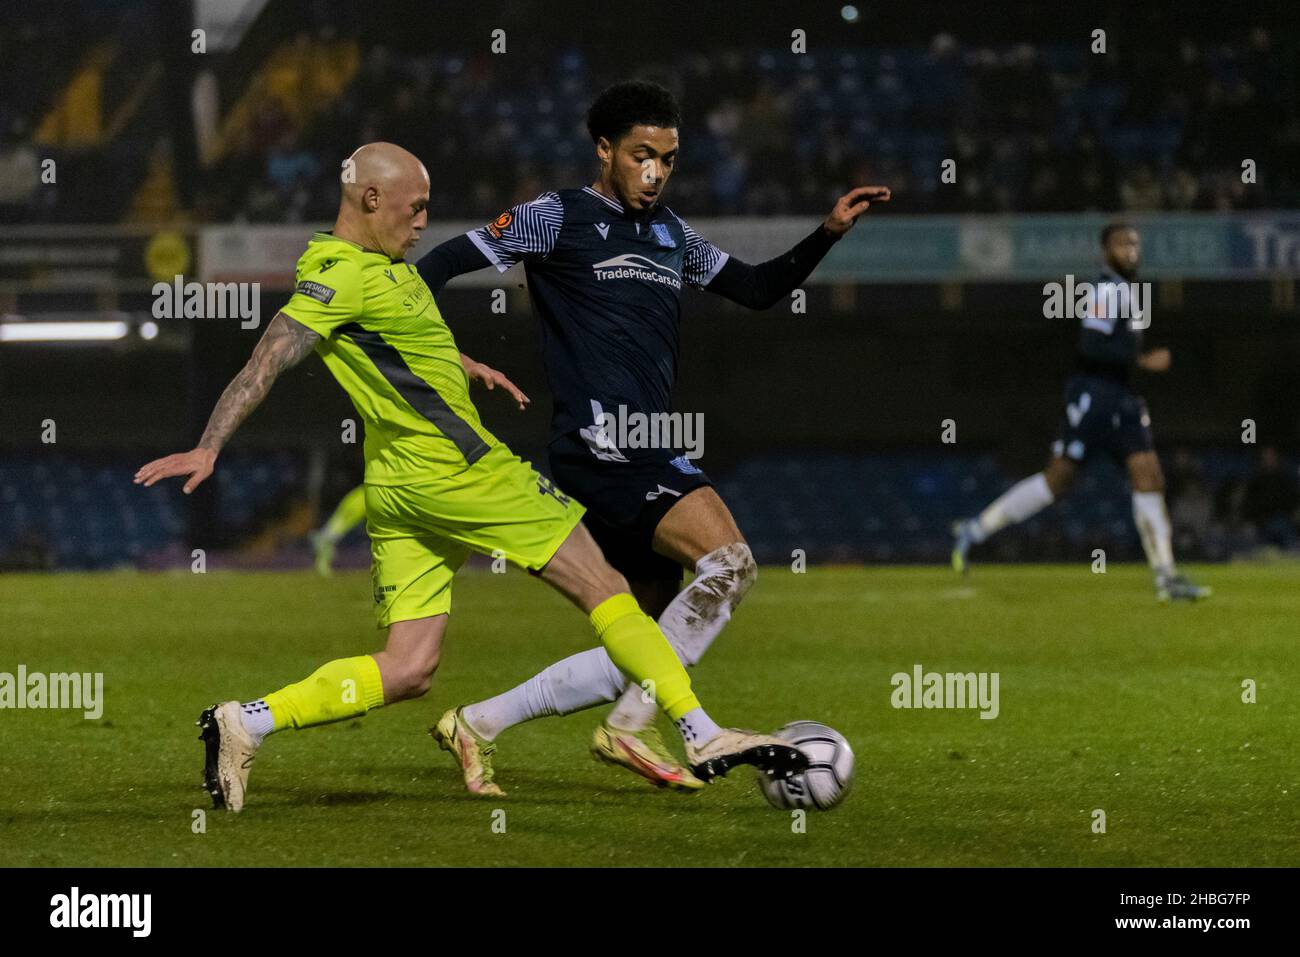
x,y
1102,414
606,264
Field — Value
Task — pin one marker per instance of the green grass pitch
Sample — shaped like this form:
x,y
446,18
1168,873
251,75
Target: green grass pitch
x,y
1107,701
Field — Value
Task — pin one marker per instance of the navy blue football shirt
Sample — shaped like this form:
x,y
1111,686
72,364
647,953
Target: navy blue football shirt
x,y
1108,342
606,284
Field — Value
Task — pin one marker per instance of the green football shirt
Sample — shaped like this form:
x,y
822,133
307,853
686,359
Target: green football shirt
x,y
384,340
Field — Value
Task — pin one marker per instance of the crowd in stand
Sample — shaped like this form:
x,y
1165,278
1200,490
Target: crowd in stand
x,y
1031,129
1256,509
1045,128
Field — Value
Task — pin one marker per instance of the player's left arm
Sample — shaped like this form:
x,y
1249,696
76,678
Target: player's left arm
x,y
483,373
284,344
450,259
524,233
758,287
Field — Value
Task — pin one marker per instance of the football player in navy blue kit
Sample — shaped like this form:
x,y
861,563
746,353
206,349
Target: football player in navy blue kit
x,y
606,264
1102,414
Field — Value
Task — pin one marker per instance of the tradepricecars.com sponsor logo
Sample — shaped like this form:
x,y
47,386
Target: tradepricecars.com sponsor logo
x,y
633,266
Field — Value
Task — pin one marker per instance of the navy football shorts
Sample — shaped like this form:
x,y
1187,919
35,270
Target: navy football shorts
x,y
1102,415
626,500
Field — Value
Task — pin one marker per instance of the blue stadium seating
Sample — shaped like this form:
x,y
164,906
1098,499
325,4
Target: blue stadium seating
x,y
887,507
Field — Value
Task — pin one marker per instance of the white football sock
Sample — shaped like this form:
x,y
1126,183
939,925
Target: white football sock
x,y
1023,500
692,620
579,681
1152,521
697,728
256,719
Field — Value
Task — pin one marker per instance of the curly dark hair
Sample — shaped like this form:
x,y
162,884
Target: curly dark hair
x,y
629,103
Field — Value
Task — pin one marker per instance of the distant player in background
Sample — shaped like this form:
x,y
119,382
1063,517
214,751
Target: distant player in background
x,y
347,515
606,265
1102,414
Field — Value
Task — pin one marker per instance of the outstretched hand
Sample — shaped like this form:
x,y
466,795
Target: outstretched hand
x,y
491,378
852,205
196,463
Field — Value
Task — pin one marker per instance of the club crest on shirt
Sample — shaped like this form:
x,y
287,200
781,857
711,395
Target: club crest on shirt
x,y
501,224
661,235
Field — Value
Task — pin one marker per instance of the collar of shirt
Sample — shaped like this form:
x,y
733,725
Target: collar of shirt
x,y
634,215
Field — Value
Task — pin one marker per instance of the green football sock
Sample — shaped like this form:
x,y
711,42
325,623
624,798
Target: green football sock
x,y
639,649
337,690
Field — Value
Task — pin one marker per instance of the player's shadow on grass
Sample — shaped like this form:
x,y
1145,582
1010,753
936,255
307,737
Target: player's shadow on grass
x,y
553,790
349,798
430,787
520,786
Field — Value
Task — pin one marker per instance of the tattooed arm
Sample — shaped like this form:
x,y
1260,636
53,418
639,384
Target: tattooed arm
x,y
284,344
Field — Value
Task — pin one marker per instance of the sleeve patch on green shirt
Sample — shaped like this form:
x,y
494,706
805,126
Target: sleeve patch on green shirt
x,y
316,291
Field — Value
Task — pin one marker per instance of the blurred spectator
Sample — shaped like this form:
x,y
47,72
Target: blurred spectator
x,y
205,107
1271,498
1191,506
1183,191
1228,500
30,551
19,167
1179,472
1139,190
290,170
1192,516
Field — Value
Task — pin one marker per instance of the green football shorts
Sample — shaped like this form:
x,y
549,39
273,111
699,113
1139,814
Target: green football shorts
x,y
421,533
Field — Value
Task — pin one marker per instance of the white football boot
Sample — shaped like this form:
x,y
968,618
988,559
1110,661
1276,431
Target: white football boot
x,y
229,755
732,746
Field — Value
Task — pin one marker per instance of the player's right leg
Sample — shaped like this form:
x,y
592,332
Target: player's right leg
x,y
412,577
1152,519
627,738
650,546
344,688
637,647
652,516
697,532
1023,500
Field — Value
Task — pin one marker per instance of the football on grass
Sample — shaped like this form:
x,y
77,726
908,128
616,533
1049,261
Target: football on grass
x,y
830,769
